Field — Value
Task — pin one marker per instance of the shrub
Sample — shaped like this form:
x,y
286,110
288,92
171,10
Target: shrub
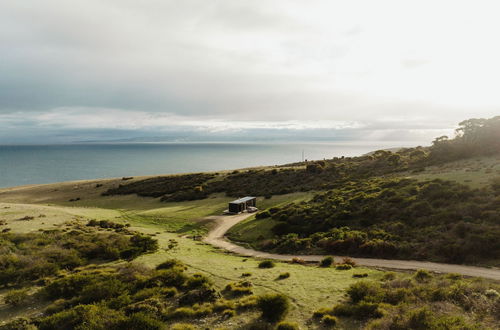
x,y
182,313
223,304
199,296
329,320
198,281
287,326
360,275
296,260
142,321
170,263
246,274
360,311
266,264
321,312
83,317
422,275
228,313
247,302
16,297
348,261
239,289
283,276
263,215
360,290
274,306
168,277
326,262
343,267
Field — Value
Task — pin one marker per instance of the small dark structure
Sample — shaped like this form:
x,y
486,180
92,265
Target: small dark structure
x,y
242,204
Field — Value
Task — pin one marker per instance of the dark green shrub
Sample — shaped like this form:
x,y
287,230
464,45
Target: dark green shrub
x,y
239,289
362,310
263,215
343,267
329,320
360,290
142,321
326,262
321,312
360,275
182,313
284,325
199,296
422,275
283,276
170,263
228,313
274,306
168,278
246,274
16,297
198,281
266,264
83,317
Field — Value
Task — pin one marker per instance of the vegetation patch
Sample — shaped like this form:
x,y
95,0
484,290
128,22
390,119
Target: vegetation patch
x,y
28,257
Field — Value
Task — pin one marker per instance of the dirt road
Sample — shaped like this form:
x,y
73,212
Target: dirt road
x,y
222,224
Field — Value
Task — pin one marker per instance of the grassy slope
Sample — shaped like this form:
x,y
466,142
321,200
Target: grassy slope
x,y
309,287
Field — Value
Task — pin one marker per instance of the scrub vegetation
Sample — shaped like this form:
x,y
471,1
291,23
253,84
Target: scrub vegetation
x,y
474,138
395,219
423,301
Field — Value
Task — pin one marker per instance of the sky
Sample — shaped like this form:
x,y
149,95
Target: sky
x,y
95,70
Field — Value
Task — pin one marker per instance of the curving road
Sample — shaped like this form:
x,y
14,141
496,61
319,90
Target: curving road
x,y
222,223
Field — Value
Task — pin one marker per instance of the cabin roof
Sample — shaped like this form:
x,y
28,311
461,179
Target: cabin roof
x,y
242,200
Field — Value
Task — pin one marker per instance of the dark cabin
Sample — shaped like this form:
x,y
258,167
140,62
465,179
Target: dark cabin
x,y
242,204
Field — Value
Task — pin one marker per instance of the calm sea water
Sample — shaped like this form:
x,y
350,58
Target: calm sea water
x,y
21,165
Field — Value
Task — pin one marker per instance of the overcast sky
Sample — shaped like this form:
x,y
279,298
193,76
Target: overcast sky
x,y
116,69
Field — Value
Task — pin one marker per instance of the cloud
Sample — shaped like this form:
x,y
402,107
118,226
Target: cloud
x,y
242,65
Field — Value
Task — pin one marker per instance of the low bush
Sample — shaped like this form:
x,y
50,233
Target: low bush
x,y
329,320
142,321
238,289
283,276
422,275
326,262
360,290
267,264
246,274
343,267
348,261
170,263
16,297
296,260
360,275
361,311
274,306
228,313
284,325
321,312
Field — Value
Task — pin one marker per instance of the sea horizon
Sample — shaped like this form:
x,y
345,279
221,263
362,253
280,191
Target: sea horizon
x,y
27,164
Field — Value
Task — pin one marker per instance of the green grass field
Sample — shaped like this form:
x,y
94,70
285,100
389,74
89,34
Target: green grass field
x,y
309,287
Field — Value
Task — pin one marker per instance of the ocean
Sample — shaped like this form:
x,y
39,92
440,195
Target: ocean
x,y
36,164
